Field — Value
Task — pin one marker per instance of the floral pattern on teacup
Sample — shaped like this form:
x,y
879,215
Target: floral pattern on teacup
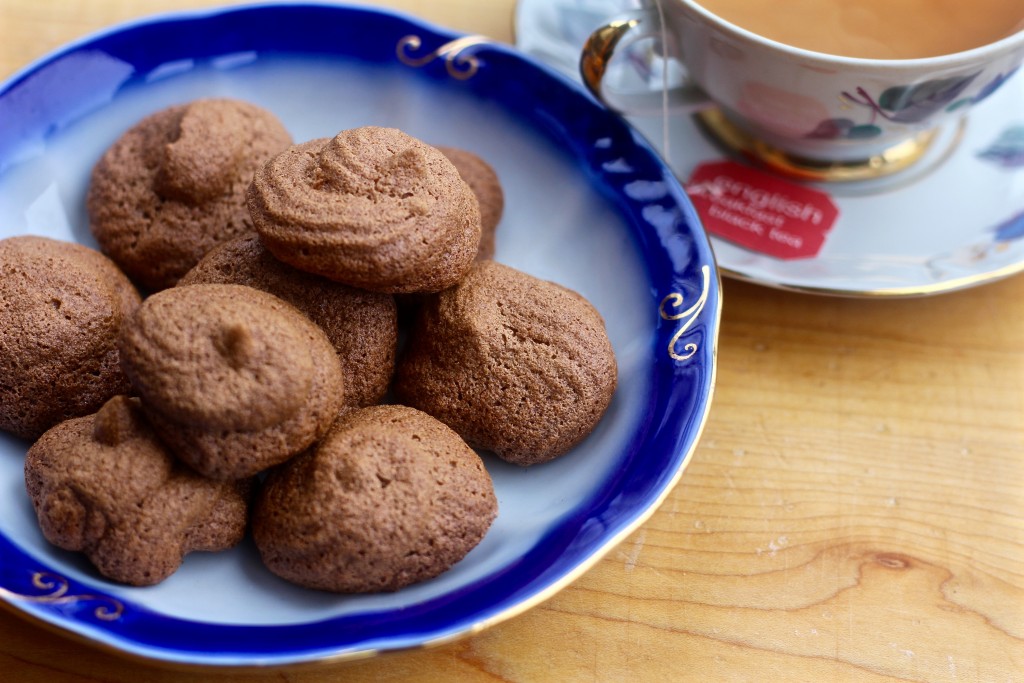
x,y
782,112
987,90
906,104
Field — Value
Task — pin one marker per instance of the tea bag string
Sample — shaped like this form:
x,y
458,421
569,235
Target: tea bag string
x,y
664,79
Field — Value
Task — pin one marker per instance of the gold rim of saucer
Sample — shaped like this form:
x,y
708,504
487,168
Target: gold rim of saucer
x,y
886,162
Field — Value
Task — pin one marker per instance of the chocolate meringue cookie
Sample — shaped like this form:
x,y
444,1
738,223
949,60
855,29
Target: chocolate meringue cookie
x,y
516,365
61,309
234,380
390,497
483,180
372,207
173,186
362,326
105,486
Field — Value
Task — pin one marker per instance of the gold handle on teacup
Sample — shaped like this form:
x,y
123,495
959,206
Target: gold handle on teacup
x,y
598,50
616,36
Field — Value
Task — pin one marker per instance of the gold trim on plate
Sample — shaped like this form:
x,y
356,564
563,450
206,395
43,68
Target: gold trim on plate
x,y
109,609
675,300
459,64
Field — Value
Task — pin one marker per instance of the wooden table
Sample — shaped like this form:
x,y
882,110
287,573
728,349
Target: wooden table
x,y
855,510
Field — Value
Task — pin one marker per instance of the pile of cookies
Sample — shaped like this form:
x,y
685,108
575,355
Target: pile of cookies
x,y
259,384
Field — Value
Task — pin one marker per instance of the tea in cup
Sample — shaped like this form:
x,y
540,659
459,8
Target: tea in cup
x,y
821,89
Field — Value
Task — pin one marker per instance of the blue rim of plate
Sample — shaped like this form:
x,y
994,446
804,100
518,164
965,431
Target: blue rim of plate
x,y
685,299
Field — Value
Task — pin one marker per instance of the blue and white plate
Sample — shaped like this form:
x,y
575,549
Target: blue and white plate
x,y
588,204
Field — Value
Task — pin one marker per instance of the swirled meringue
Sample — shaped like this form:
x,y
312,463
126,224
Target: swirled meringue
x,y
372,207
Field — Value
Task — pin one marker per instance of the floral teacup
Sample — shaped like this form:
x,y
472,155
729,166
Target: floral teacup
x,y
809,114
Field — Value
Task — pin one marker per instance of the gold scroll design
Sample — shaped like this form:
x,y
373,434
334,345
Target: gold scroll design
x,y
108,608
460,64
688,316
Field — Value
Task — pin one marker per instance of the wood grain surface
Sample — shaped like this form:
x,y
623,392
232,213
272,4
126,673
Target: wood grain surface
x,y
854,512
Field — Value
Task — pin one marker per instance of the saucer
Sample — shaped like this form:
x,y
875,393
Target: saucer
x,y
953,220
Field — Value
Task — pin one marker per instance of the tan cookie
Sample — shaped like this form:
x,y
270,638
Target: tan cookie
x,y
514,364
484,182
61,309
233,379
373,208
173,186
104,485
361,325
390,497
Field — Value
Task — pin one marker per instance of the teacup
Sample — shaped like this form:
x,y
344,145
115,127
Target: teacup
x,y
804,112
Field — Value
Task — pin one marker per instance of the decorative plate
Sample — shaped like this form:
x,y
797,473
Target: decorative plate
x,y
588,204
953,220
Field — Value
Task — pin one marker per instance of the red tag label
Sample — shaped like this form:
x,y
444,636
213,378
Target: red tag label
x,y
761,212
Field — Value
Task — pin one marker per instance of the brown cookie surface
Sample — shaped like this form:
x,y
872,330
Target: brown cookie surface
x,y
173,186
61,309
105,486
232,378
516,365
362,326
484,181
390,497
372,207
